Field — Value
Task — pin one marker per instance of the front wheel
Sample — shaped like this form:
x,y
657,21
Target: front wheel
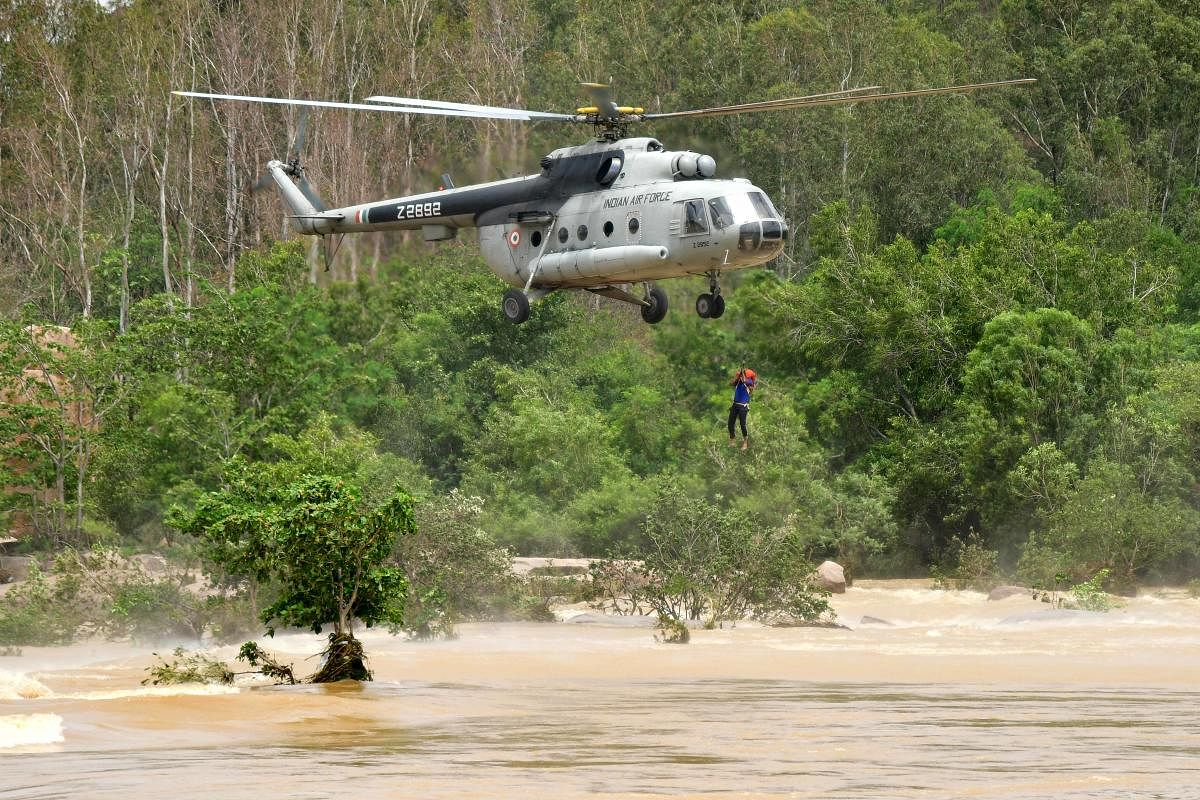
x,y
515,306
704,306
718,307
656,307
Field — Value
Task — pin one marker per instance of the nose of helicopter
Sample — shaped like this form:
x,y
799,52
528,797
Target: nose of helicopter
x,y
764,236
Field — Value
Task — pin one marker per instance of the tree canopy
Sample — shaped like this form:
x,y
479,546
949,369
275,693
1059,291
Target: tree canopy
x,y
985,328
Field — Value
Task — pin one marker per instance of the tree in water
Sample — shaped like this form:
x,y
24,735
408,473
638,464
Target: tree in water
x,y
320,546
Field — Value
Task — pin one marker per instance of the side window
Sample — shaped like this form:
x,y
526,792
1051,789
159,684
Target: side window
x,y
695,220
722,217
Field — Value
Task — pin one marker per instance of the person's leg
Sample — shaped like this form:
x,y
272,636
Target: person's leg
x,y
733,415
743,412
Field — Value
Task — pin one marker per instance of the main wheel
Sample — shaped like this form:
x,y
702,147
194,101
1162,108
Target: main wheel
x,y
704,305
718,307
657,308
515,306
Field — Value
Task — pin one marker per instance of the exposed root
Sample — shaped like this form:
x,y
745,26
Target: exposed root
x,y
343,660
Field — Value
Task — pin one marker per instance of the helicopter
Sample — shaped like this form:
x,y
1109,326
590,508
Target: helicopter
x,y
600,217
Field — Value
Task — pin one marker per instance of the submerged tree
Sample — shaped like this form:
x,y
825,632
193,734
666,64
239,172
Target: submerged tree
x,y
705,562
322,549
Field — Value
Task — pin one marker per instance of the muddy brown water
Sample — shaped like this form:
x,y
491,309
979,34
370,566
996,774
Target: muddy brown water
x,y
957,697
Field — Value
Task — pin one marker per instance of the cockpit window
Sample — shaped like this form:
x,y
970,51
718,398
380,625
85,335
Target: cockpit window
x,y
750,206
762,205
694,220
722,216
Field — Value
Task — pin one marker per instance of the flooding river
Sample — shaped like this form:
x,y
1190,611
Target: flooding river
x,y
941,695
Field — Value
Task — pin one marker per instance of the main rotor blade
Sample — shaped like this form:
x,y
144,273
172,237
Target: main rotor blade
x,y
519,113
834,98
285,101
847,95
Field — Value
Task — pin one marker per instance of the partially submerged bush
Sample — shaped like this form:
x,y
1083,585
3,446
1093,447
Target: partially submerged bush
x,y
201,667
672,631
188,668
454,569
1090,595
706,563
968,564
35,614
266,663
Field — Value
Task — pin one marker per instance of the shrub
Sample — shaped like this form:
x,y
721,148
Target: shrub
x,y
1090,595
32,614
974,566
454,569
705,562
188,668
96,592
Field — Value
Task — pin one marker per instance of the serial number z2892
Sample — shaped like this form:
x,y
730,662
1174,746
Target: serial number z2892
x,y
418,210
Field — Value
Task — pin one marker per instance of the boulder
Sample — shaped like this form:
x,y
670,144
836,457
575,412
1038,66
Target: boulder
x,y
1005,592
15,568
154,565
522,565
831,576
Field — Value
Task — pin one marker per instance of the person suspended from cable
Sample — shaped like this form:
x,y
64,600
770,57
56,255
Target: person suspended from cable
x,y
743,384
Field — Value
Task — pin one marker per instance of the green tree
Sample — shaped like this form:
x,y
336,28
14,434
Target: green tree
x,y
450,564
1110,522
315,541
703,561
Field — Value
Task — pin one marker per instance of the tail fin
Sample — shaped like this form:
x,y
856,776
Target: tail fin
x,y
296,201
303,203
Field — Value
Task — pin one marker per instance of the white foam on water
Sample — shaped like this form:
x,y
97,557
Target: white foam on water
x,y
18,686
26,730
153,691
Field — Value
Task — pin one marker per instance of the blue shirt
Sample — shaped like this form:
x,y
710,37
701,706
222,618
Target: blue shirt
x,y
741,391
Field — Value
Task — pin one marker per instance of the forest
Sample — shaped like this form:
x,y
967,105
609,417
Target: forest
x,y
979,353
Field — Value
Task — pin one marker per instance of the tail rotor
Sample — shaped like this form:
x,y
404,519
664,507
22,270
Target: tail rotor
x,y
293,168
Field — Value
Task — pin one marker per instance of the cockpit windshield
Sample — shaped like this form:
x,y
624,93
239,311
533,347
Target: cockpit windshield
x,y
763,206
741,207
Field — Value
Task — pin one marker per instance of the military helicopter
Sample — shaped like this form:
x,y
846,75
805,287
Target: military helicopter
x,y
600,216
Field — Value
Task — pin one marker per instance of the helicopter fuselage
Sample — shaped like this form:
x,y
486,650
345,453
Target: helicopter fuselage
x,y
613,211
601,213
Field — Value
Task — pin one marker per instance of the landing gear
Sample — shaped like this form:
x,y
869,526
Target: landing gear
x,y
516,306
656,305
711,304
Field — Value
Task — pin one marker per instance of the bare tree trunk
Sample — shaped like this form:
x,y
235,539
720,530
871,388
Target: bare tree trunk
x,y
231,208
163,227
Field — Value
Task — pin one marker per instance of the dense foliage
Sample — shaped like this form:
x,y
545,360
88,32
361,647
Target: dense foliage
x,y
984,331
705,563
